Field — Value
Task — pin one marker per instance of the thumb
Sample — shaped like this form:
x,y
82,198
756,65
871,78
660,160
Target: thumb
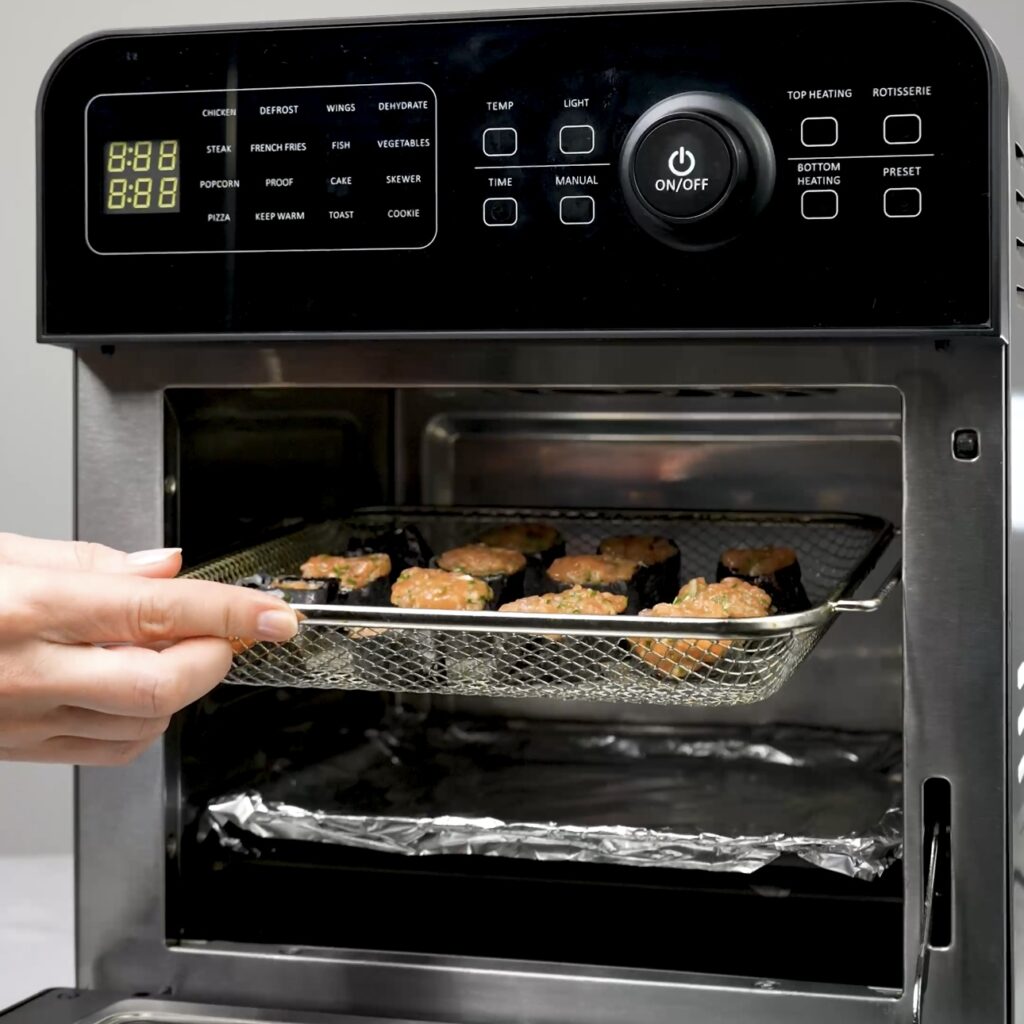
x,y
80,556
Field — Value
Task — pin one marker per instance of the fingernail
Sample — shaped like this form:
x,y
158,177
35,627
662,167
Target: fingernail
x,y
280,625
152,557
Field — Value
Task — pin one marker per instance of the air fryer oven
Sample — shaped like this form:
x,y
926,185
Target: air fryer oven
x,y
601,268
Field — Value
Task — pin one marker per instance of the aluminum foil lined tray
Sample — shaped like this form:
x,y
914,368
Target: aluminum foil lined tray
x,y
702,662
718,799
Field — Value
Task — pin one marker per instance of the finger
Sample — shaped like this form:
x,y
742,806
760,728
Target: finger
x,y
134,681
79,555
74,750
86,607
79,723
84,723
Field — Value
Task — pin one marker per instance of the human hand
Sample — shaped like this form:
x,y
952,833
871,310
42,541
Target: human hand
x,y
66,698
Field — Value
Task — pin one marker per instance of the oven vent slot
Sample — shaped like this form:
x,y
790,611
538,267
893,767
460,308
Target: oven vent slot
x,y
937,823
1019,197
730,393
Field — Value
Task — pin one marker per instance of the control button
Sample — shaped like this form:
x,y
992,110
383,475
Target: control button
x,y
501,212
576,139
902,202
683,168
966,445
500,142
819,131
576,210
695,169
902,129
819,204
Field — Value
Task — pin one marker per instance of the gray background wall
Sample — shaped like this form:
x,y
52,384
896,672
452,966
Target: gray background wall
x,y
35,394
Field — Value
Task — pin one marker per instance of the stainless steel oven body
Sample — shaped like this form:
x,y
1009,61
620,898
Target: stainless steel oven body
x,y
815,386
953,727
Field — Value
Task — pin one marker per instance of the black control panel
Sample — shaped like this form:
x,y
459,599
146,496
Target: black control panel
x,y
742,168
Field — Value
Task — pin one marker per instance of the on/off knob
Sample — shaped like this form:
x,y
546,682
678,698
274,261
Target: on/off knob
x,y
684,167
695,167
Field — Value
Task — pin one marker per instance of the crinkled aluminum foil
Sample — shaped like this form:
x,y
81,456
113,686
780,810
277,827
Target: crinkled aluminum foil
x,y
723,799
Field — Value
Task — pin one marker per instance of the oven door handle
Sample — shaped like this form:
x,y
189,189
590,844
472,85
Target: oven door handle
x,y
872,604
925,950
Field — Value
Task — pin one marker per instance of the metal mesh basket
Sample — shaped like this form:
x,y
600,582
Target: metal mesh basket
x,y
703,662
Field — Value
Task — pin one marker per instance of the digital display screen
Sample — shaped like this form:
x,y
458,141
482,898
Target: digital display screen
x,y
142,176
348,167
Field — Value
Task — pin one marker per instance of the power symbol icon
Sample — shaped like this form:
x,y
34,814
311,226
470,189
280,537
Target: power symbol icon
x,y
681,162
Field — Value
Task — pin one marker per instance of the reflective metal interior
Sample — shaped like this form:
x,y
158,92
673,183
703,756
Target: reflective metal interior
x,y
648,452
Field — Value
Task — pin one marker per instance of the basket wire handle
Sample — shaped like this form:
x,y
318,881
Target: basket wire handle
x,y
925,950
872,604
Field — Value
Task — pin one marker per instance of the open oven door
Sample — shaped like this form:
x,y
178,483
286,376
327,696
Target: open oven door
x,y
73,1006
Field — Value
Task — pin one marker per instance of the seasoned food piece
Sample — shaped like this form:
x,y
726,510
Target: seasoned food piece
x,y
351,571
405,546
293,589
659,554
302,590
482,561
503,569
727,599
441,655
527,538
644,549
440,590
540,543
774,569
592,570
698,599
604,572
574,601
359,579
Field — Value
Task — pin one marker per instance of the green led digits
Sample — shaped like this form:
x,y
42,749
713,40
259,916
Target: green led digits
x,y
142,176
